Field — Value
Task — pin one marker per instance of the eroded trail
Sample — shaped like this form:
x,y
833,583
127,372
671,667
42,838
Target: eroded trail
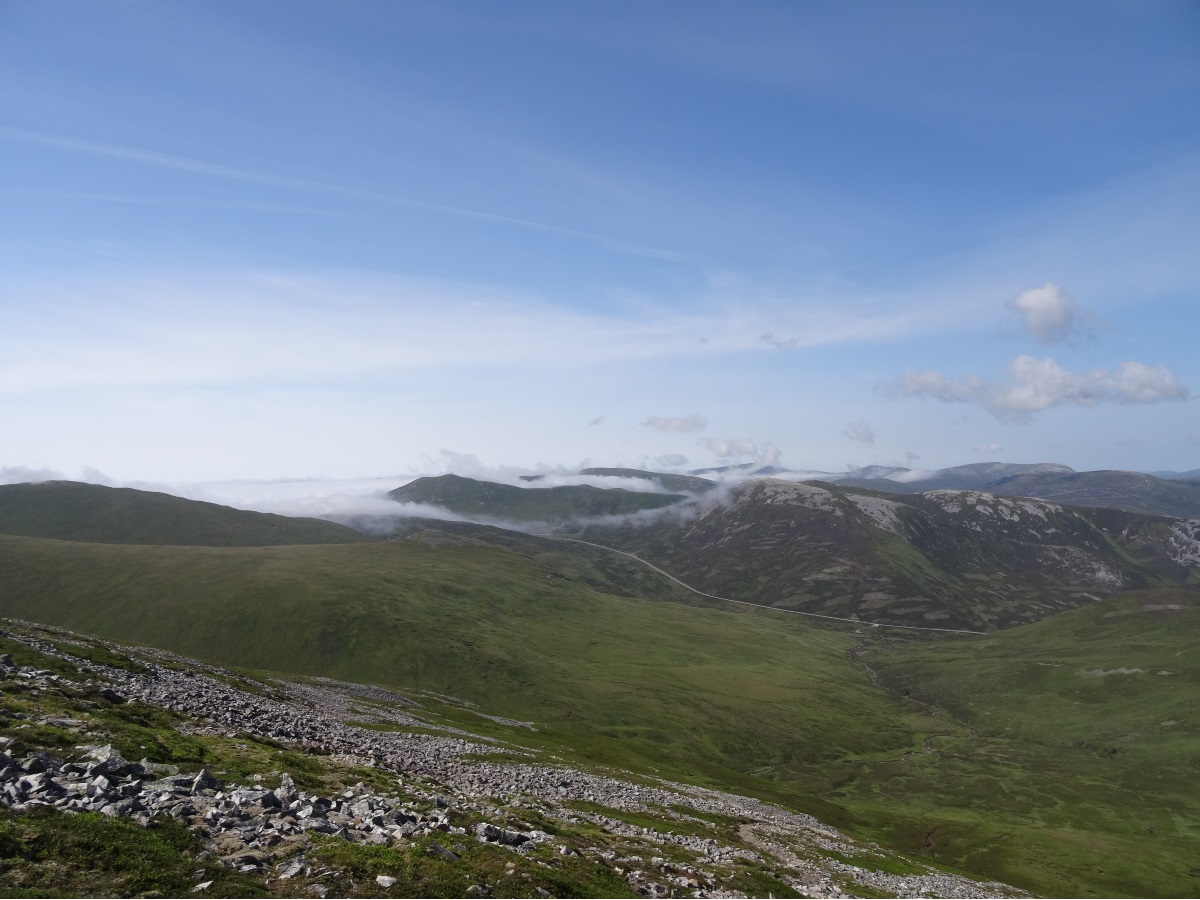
x,y
794,612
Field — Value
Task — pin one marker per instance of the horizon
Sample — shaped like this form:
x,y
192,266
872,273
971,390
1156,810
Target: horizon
x,y
336,498
383,238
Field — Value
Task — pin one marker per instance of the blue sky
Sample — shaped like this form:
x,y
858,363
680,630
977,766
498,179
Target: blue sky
x,y
256,240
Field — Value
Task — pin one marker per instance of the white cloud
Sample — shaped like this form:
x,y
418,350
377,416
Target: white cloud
x,y
219,329
671,460
690,422
1039,384
25,474
988,448
912,475
95,476
860,431
732,448
766,453
1049,314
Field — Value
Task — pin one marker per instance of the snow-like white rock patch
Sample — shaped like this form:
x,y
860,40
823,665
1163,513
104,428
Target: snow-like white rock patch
x,y
1079,563
1104,673
882,513
777,491
1185,542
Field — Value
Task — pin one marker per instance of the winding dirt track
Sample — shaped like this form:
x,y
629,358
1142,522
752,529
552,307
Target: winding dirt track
x,y
794,612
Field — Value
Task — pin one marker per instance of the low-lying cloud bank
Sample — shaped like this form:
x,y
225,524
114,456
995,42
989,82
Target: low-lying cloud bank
x,y
361,503
27,474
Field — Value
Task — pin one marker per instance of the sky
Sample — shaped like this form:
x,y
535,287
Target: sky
x,y
249,241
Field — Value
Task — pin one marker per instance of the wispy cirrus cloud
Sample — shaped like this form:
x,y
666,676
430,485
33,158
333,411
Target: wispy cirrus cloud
x,y
188,329
156,159
1034,385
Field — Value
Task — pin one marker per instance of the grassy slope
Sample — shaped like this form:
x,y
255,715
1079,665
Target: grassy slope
x,y
650,682
1093,775
73,511
469,497
996,783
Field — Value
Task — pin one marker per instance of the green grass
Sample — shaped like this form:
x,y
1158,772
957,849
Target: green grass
x,y
73,511
46,853
651,684
969,752
420,872
1044,772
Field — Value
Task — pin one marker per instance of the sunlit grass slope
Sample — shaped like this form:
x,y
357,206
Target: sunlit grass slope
x,y
73,511
1070,750
1009,756
526,636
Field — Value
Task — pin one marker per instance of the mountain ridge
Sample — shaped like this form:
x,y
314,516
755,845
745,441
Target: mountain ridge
x,y
944,558
1118,489
505,502
77,511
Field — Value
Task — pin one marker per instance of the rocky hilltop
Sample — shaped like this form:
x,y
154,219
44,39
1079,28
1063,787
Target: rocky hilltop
x,y
943,558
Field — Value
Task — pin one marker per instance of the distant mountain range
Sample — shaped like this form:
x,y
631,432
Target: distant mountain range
x,y
1162,493
1133,491
1190,475
933,552
943,558
504,502
74,511
1058,755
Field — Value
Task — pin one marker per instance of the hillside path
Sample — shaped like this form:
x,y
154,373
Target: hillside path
x,y
795,612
